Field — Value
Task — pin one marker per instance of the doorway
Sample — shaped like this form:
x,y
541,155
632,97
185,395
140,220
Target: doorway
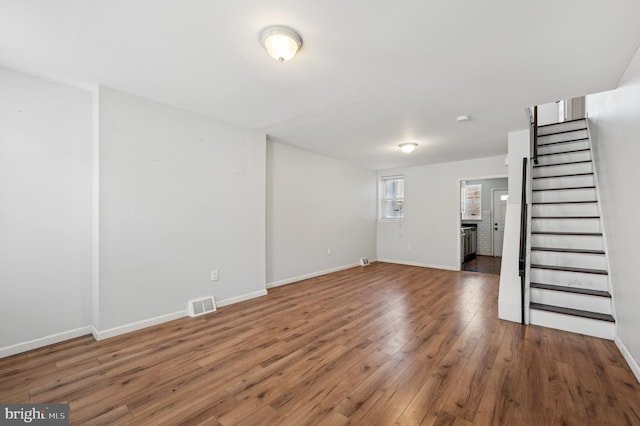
x,y
483,205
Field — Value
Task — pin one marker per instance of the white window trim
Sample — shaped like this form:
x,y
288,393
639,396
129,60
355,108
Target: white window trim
x,y
381,199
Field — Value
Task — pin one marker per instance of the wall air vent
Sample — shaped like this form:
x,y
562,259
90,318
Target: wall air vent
x,y
364,261
201,306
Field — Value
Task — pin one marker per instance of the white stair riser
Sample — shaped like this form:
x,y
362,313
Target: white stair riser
x,y
570,279
590,209
561,127
565,225
565,169
567,146
560,137
563,182
588,194
564,241
587,326
576,260
565,158
582,302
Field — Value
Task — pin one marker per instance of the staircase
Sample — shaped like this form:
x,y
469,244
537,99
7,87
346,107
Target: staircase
x,y
569,283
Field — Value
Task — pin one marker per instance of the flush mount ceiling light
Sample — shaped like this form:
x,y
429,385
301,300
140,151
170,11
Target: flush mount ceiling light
x,y
281,43
408,147
462,118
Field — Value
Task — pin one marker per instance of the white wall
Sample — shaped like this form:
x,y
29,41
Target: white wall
x,y
509,298
615,127
180,194
316,203
429,235
45,211
548,113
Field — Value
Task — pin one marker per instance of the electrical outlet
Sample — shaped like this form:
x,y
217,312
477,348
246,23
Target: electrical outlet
x,y
214,275
409,247
328,252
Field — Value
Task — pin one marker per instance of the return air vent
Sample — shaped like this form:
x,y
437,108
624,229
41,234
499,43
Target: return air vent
x,y
201,306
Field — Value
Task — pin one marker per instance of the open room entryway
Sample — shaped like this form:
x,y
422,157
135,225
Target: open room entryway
x,y
483,205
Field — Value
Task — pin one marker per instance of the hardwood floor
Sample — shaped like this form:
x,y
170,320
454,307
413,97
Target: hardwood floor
x,y
379,345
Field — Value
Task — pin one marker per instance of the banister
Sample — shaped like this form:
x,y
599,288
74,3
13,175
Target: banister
x,y
534,131
522,261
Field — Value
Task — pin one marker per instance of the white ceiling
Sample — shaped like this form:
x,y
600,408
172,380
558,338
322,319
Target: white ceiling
x,y
371,74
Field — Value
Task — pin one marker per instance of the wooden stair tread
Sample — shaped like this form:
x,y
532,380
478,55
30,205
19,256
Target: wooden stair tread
x,y
564,152
582,234
561,176
563,164
565,217
560,123
571,269
566,202
574,312
574,290
555,143
567,250
566,188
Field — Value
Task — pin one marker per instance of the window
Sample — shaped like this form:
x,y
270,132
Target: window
x,y
392,197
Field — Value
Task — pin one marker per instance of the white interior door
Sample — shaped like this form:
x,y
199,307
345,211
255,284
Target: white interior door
x,y
499,210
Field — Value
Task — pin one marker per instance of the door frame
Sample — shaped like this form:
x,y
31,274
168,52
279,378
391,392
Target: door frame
x,y
459,213
493,236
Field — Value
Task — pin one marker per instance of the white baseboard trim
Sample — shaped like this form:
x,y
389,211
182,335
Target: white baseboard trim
x,y
420,264
248,296
115,331
633,364
128,328
44,341
312,275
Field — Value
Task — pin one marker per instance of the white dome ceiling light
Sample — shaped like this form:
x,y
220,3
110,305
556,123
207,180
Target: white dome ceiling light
x,y
408,147
281,43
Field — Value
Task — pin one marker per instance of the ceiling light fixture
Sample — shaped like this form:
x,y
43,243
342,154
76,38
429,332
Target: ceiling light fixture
x,y
281,43
408,147
462,118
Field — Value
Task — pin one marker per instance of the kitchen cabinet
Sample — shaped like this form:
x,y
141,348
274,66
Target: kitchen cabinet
x,y
468,242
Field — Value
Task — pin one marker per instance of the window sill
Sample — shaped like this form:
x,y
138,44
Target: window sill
x,y
391,220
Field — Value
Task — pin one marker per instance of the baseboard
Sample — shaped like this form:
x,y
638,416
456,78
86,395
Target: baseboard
x,y
248,296
312,275
44,341
128,328
633,364
420,264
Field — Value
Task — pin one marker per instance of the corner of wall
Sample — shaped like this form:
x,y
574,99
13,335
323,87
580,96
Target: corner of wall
x,y
633,364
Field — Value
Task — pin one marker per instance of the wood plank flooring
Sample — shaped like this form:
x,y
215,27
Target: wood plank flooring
x,y
379,345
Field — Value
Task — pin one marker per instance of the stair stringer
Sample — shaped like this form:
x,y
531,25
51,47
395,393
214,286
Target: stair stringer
x,y
602,228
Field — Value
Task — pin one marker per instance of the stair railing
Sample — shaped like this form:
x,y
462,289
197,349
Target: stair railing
x,y
522,257
534,134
